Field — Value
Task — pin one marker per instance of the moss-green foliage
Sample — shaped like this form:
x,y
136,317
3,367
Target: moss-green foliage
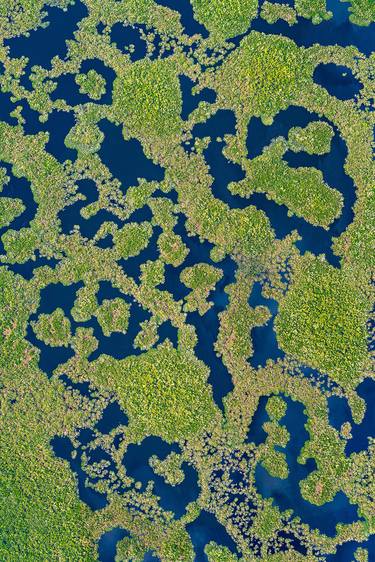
x,y
271,12
19,244
314,139
322,321
129,549
20,16
113,316
362,12
164,391
276,408
172,249
177,546
41,516
218,553
225,19
53,329
268,70
201,278
85,137
92,84
9,209
302,190
147,98
169,468
267,520
312,9
132,238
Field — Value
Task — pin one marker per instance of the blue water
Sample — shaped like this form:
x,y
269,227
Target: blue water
x,y
206,528
221,123
190,101
118,345
286,493
58,125
172,498
111,418
45,43
167,331
126,159
338,30
259,135
63,448
206,326
108,543
256,433
339,412
6,107
132,266
345,552
124,36
361,432
338,80
70,215
51,297
27,269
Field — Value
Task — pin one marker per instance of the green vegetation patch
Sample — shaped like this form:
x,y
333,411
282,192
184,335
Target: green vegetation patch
x,y
147,99
315,10
276,408
91,84
172,249
269,71
302,190
218,553
314,139
272,12
132,238
10,208
322,321
113,316
53,329
164,391
201,278
225,18
362,12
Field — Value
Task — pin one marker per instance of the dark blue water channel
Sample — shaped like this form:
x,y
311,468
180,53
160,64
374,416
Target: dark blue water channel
x,y
117,345
206,528
340,412
336,31
63,448
286,492
108,543
191,101
125,158
338,80
172,498
126,35
206,326
45,43
346,551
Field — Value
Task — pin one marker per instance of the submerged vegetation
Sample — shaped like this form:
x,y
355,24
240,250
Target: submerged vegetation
x,y
185,366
